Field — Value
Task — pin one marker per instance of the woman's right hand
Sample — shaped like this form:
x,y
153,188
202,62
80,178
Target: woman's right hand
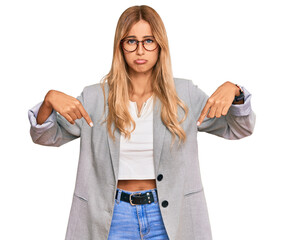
x,y
69,107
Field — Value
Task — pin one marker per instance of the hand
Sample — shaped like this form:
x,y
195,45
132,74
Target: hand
x,y
69,107
219,102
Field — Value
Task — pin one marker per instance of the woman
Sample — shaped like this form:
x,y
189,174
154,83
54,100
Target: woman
x,y
138,174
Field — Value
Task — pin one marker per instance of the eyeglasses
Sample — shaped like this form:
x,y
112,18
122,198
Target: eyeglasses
x,y
130,45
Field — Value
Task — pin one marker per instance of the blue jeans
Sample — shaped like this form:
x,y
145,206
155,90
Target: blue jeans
x,y
136,222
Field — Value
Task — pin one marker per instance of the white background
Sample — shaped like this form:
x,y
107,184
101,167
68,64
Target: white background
x,y
67,45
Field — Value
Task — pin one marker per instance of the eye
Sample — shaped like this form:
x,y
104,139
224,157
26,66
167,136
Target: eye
x,y
149,40
131,41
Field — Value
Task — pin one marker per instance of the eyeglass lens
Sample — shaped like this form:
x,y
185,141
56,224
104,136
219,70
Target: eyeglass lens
x,y
131,44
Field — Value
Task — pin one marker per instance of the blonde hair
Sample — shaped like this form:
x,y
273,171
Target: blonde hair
x,y
163,86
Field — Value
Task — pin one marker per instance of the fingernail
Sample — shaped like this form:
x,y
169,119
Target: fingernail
x,y
91,124
198,123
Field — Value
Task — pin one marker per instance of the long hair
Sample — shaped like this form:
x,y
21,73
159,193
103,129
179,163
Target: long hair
x,y
162,82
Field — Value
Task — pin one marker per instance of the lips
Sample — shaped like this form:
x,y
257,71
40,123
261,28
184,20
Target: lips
x,y
140,61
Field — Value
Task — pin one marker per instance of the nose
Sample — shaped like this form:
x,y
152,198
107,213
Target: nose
x,y
140,48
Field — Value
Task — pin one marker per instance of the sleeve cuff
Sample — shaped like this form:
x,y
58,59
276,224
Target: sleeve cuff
x,y
242,109
49,122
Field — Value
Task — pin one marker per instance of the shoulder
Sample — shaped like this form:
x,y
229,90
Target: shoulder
x,y
96,87
93,98
183,85
93,94
186,86
182,82
94,90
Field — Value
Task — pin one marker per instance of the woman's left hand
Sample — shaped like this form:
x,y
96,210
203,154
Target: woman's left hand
x,y
220,101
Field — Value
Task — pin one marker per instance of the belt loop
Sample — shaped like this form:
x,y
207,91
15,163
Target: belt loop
x,y
118,196
154,195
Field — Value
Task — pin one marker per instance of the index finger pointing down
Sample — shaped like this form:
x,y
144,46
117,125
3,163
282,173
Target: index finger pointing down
x,y
85,115
203,113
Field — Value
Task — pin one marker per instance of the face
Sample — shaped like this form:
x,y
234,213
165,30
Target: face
x,y
139,31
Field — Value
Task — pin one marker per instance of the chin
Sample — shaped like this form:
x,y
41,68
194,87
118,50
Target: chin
x,y
142,69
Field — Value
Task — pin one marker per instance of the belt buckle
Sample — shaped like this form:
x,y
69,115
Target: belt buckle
x,y
131,200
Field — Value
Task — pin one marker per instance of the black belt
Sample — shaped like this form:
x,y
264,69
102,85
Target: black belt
x,y
136,198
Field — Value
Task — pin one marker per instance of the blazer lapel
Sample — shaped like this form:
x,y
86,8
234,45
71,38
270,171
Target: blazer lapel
x,y
158,139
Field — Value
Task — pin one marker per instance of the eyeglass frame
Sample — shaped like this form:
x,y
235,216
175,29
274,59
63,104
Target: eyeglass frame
x,y
137,44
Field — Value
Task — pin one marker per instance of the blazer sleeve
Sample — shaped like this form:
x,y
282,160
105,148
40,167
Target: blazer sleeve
x,y
238,123
56,130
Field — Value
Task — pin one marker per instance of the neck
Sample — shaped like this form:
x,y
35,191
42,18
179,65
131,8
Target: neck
x,y
141,83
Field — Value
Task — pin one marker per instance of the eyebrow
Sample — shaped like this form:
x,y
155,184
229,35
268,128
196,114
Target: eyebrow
x,y
133,36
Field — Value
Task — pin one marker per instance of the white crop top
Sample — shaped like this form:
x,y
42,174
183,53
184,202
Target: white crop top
x,y
136,155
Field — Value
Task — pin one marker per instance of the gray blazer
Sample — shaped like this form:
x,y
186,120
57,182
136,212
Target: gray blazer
x,y
185,216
